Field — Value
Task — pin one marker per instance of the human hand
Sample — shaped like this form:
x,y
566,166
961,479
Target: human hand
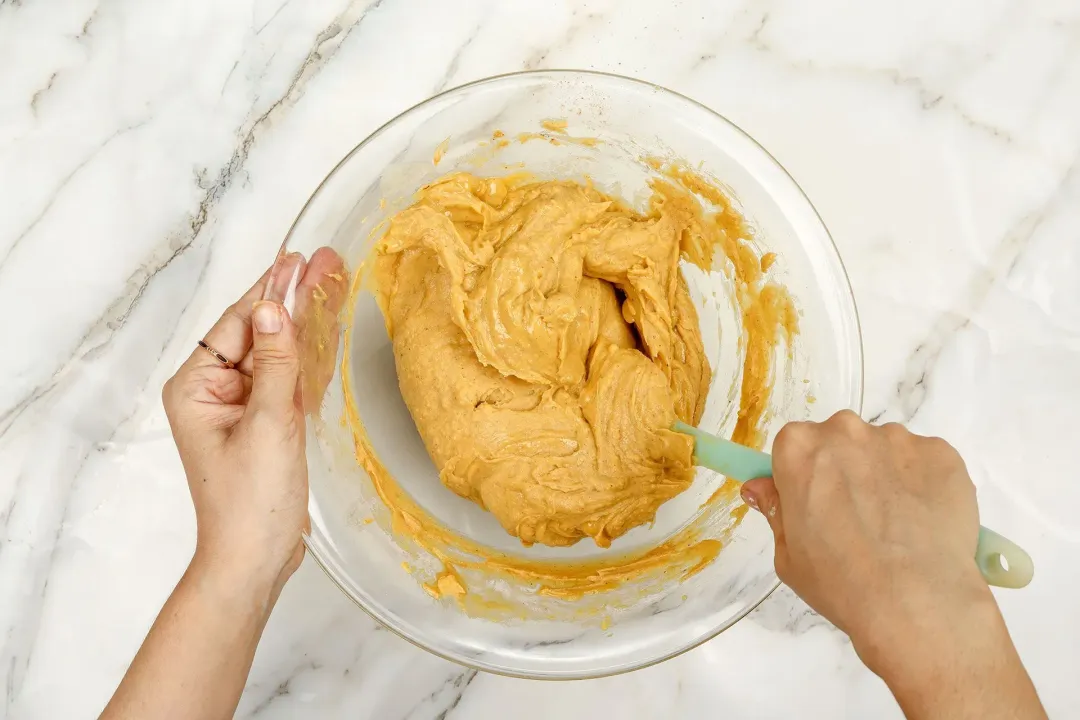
x,y
876,529
869,521
240,431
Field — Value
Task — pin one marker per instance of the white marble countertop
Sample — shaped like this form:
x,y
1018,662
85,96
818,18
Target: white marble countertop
x,y
152,155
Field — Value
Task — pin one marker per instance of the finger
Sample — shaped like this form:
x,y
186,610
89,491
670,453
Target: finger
x,y
791,452
319,298
325,281
275,361
287,271
202,404
761,495
231,334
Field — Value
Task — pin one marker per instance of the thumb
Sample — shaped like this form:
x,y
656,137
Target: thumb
x,y
276,363
761,495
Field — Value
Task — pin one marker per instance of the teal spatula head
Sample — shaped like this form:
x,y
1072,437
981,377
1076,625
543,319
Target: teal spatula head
x,y
1001,561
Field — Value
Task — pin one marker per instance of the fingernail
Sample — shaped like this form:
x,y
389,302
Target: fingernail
x,y
267,317
749,499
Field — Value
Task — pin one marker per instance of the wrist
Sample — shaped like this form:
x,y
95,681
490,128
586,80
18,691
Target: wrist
x,y
924,635
251,553
956,662
235,578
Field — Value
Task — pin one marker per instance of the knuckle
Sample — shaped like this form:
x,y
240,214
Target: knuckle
x,y
235,312
846,420
940,445
944,450
222,384
794,445
797,443
793,436
895,431
275,357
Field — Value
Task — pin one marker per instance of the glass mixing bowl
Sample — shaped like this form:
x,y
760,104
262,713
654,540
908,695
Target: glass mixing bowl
x,y
618,133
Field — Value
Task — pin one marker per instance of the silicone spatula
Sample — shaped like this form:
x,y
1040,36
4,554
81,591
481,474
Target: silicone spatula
x,y
1002,562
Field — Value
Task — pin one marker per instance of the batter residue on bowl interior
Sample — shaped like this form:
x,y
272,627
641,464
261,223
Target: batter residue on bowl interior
x,y
545,341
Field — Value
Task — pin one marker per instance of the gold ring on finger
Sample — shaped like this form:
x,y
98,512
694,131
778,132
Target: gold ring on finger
x,y
229,364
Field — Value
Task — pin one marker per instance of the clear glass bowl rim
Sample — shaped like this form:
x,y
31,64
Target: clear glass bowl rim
x,y
312,544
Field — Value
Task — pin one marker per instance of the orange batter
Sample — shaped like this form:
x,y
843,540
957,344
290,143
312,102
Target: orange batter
x,y
768,319
545,342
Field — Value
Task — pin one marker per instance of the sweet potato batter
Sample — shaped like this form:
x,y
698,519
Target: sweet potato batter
x,y
545,341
